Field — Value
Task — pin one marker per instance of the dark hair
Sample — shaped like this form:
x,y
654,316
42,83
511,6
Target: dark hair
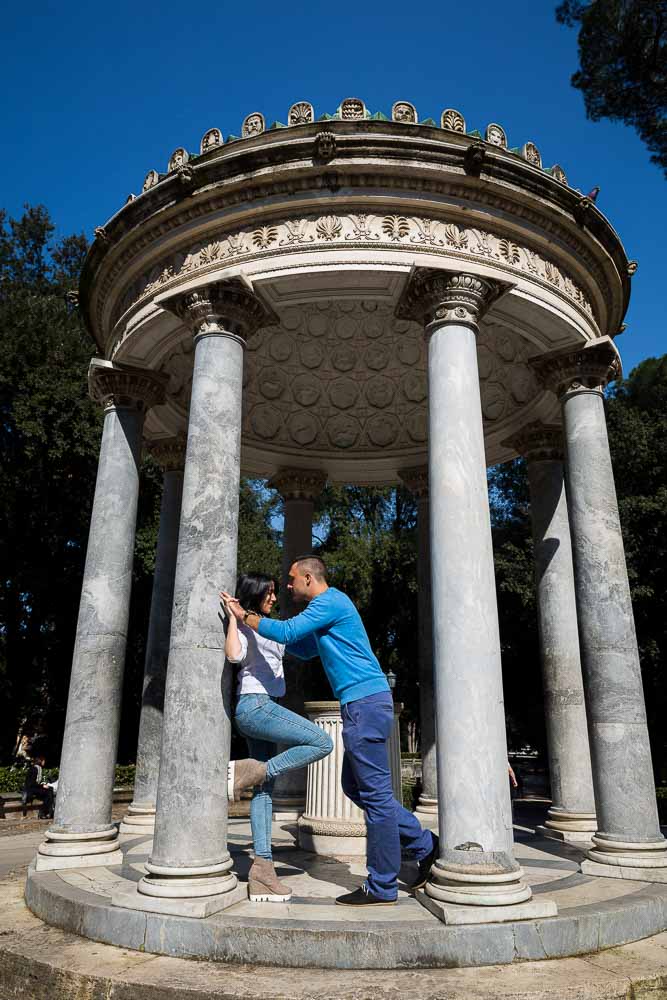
x,y
252,588
312,564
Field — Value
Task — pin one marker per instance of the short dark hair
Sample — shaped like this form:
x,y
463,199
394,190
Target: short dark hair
x,y
312,564
252,589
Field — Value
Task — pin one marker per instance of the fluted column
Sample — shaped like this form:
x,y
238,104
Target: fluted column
x,y
190,858
572,813
332,824
476,868
140,817
628,842
299,489
416,481
82,832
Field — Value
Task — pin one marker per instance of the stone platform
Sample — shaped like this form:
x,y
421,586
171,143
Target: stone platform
x,y
311,931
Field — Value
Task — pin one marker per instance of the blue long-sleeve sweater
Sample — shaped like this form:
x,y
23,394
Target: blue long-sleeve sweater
x,y
331,628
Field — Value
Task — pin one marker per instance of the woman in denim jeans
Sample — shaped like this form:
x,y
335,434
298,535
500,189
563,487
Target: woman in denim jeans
x,y
264,723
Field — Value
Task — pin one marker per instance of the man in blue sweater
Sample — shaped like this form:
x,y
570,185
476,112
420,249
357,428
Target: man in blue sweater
x,y
331,628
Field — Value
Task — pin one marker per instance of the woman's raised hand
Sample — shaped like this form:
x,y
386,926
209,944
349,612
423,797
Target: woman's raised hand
x,y
231,606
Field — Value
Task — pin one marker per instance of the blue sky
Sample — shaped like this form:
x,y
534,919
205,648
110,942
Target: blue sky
x,y
95,95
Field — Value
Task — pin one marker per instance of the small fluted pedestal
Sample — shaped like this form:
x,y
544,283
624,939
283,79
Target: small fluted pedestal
x,y
332,825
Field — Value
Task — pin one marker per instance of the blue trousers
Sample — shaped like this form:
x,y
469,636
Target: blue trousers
x,y
264,723
366,779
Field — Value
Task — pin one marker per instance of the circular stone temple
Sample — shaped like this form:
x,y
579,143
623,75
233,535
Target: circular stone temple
x,y
370,300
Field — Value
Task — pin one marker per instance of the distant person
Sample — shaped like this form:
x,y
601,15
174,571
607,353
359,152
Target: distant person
x,y
34,788
331,628
264,723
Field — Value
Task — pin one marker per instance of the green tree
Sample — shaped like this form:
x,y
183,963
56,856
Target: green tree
x,y
49,442
623,64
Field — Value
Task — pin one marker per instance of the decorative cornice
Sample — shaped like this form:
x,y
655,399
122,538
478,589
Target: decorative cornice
x,y
416,480
222,307
434,297
115,386
538,442
298,484
587,369
169,453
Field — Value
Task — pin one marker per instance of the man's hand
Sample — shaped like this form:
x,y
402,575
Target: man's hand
x,y
514,782
231,606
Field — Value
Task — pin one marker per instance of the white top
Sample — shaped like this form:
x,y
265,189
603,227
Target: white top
x,y
262,660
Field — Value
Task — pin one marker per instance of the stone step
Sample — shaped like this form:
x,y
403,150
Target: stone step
x,y
38,962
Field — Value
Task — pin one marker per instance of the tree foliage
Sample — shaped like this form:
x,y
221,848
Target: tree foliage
x,y
623,64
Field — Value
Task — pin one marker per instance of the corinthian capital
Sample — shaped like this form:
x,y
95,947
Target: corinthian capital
x,y
298,484
538,442
115,385
416,480
229,306
435,296
169,453
587,369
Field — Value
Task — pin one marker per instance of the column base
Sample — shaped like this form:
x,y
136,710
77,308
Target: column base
x,y
138,820
642,862
477,884
167,882
427,811
569,827
332,838
452,913
63,850
203,906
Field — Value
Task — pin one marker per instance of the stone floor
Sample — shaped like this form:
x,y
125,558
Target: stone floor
x,y
593,913
549,867
44,962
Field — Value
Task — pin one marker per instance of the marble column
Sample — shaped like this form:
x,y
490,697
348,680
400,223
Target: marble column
x,y
628,842
332,825
416,481
190,865
299,489
82,832
476,877
140,817
572,814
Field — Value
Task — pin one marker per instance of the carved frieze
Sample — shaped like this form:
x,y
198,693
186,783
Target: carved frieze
x,y
449,239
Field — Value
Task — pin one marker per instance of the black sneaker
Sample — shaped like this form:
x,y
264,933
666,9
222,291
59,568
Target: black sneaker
x,y
425,865
362,897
